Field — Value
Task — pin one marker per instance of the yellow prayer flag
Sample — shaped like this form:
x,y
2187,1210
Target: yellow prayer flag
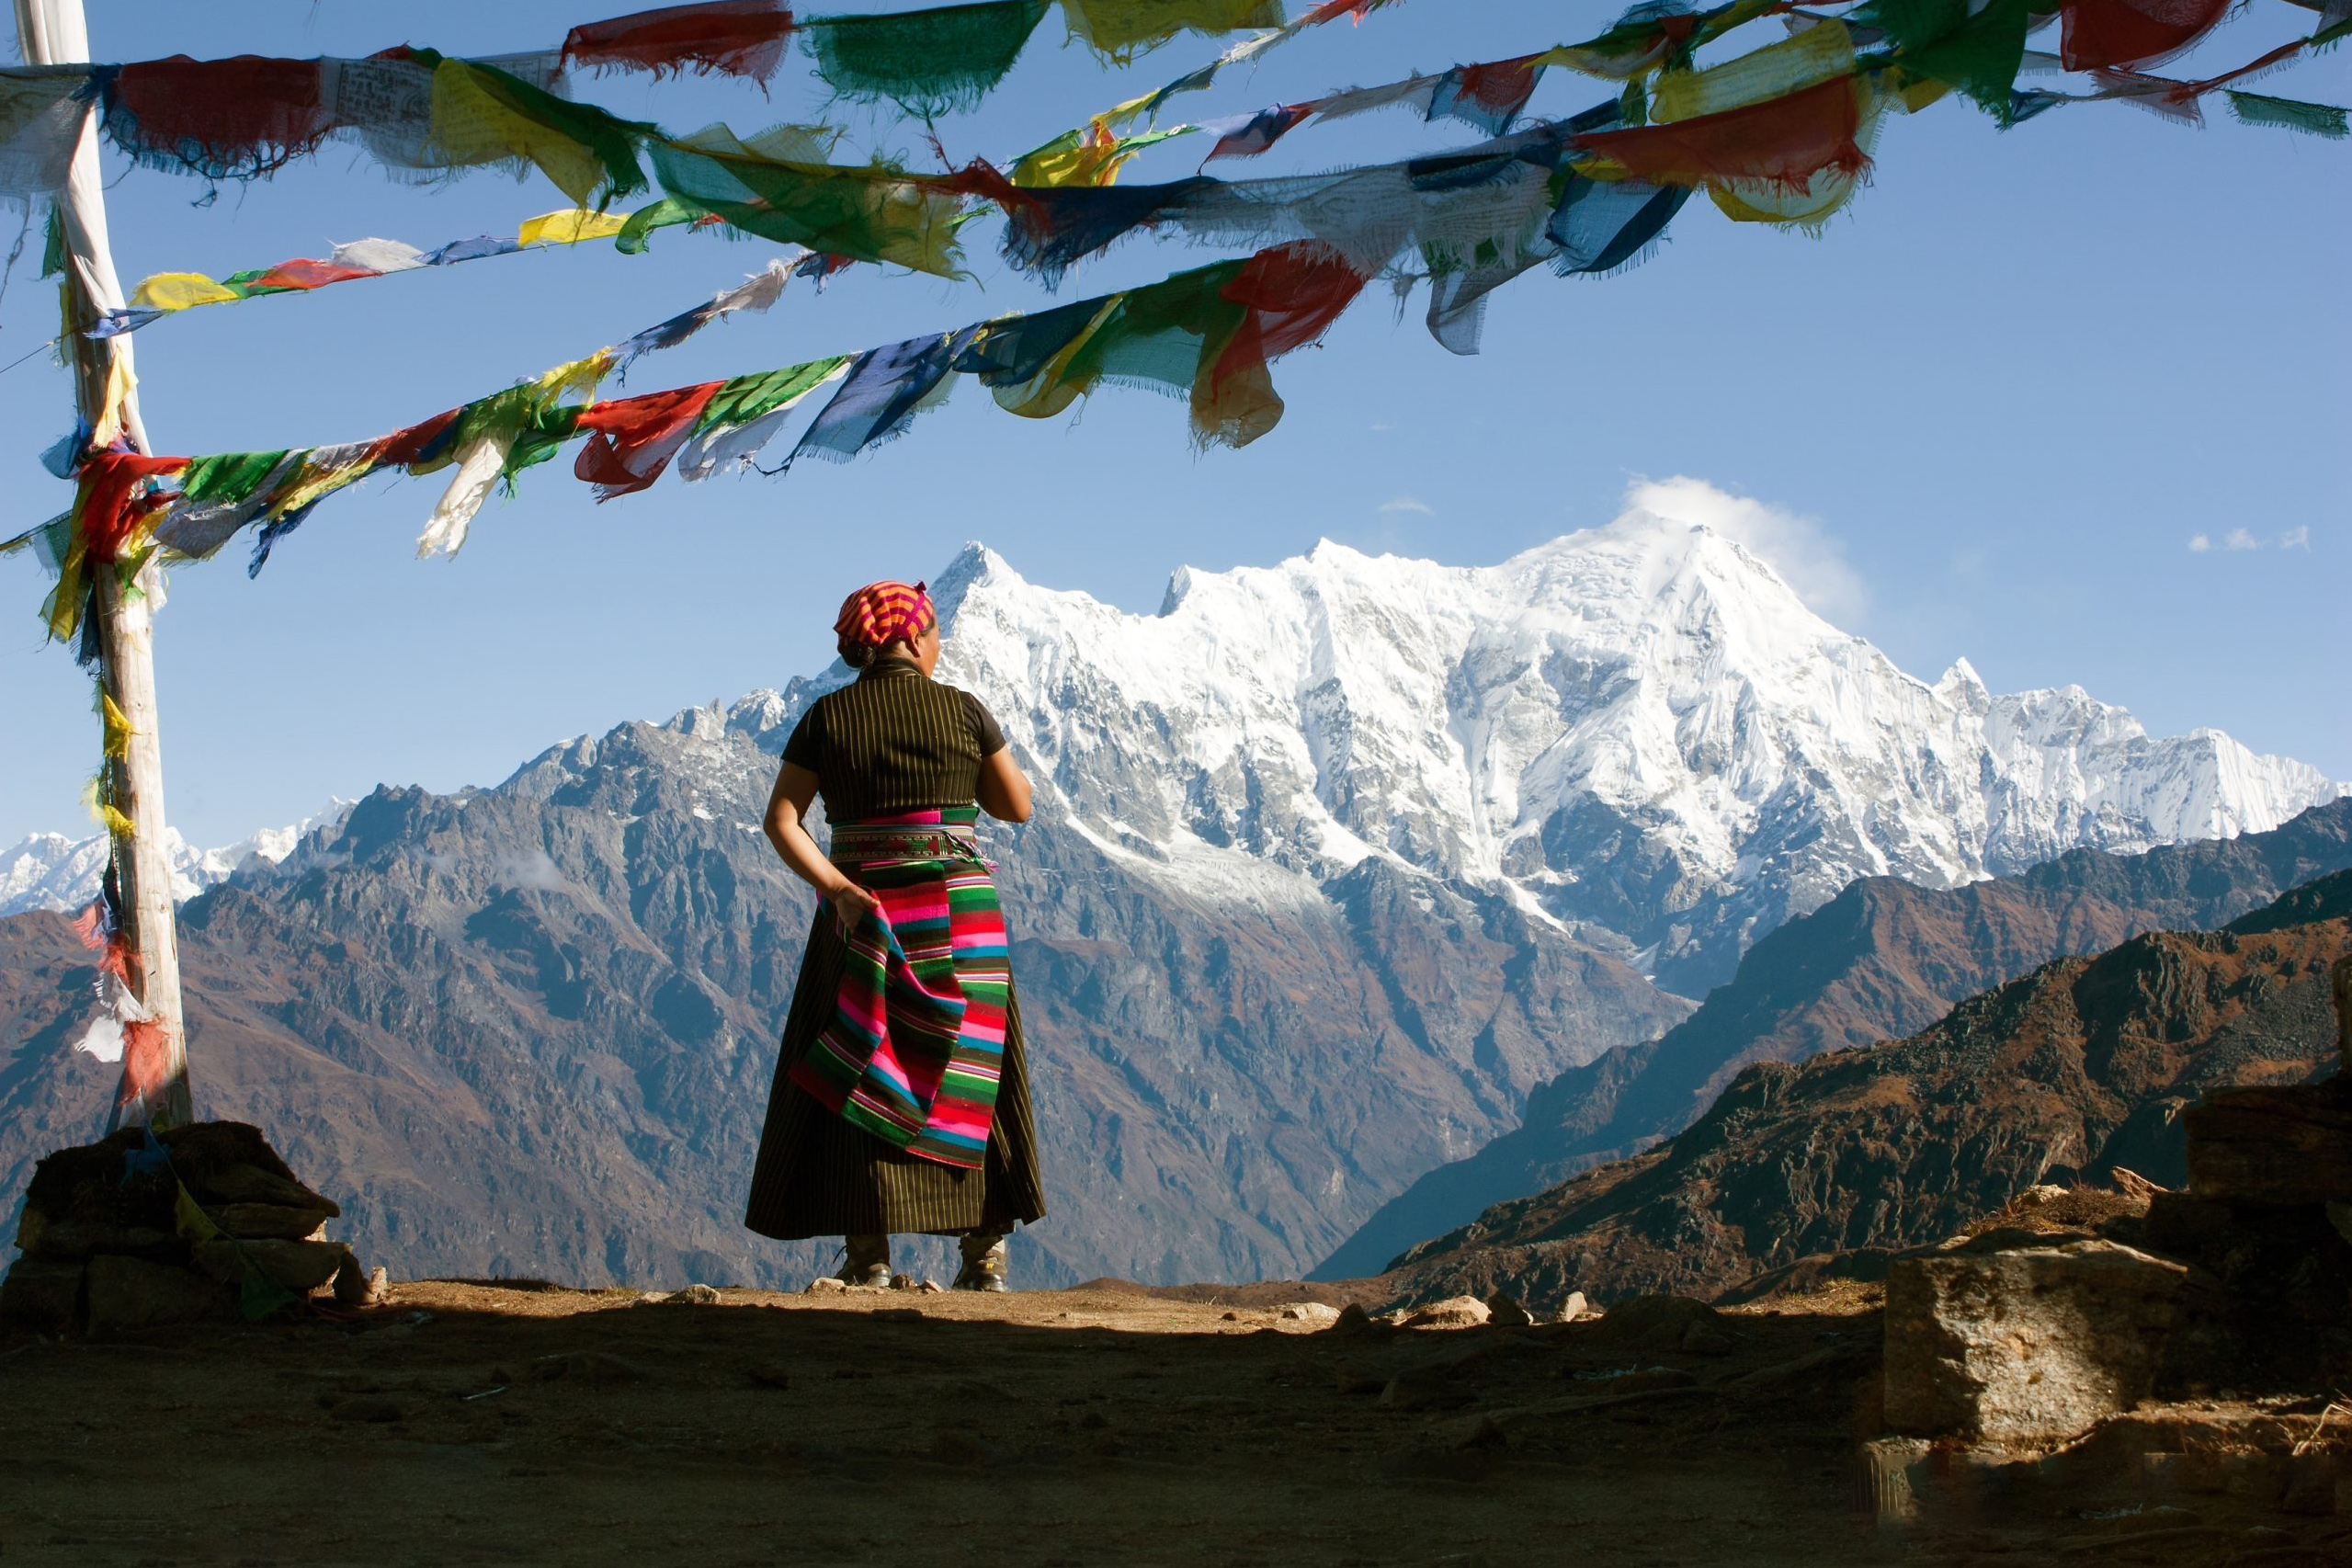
x,y
178,290
470,126
569,228
1821,51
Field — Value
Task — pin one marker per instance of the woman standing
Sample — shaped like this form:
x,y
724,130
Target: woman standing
x,y
901,1096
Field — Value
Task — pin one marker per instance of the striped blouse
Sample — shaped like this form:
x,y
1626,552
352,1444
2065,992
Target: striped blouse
x,y
893,740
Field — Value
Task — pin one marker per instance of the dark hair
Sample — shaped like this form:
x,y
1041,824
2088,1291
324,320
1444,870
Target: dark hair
x,y
858,655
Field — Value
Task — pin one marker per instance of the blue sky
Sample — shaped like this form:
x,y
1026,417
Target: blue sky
x,y
1997,401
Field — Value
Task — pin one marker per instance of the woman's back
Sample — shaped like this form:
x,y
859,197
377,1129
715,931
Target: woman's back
x,y
893,740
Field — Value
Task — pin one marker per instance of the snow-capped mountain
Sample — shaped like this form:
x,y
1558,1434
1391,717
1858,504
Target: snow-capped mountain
x,y
1639,730
48,870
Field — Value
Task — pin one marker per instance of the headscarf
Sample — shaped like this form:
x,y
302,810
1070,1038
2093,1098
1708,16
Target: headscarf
x,y
882,613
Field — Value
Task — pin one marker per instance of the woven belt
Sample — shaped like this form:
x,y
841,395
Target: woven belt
x,y
927,841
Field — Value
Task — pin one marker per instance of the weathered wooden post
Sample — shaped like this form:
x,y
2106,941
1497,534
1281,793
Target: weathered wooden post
x,y
52,32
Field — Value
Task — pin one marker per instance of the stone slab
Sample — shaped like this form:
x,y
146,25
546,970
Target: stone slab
x,y
2034,1344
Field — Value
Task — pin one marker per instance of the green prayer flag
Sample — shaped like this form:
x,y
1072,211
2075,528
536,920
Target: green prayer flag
x,y
226,478
938,61
745,398
2316,119
1978,51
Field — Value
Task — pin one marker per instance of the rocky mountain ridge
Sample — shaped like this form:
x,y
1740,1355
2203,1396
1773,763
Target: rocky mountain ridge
x,y
48,870
1882,960
2083,1066
1335,862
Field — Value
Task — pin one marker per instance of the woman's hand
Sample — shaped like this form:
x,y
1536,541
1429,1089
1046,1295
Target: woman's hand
x,y
850,905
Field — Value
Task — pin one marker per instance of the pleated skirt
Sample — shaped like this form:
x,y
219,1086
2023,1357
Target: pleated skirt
x,y
817,1176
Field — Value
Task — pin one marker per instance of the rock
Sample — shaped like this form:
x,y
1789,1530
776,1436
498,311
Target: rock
x,y
1573,1307
295,1266
930,1287
126,1294
44,1235
1310,1311
275,1222
1669,1324
1425,1387
2276,1144
42,1294
824,1285
691,1296
1352,1320
2034,1344
1350,1379
2132,1185
1505,1312
1455,1312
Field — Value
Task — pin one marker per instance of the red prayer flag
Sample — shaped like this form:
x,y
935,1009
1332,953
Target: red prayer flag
x,y
1293,294
632,440
740,37
308,274
1787,141
109,507
249,113
145,1057
2132,33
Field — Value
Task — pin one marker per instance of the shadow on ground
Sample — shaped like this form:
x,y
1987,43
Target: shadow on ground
x,y
478,1423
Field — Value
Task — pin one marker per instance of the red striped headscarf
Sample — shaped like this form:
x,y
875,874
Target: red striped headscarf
x,y
882,613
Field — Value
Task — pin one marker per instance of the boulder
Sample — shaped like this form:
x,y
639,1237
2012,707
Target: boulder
x,y
271,1222
130,1292
45,1234
2031,1344
40,1293
1666,1324
2279,1144
295,1266
1455,1312
1504,1311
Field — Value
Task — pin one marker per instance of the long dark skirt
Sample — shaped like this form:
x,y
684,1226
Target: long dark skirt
x,y
817,1176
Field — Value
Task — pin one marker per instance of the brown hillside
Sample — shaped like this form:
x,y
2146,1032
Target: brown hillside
x,y
2080,1067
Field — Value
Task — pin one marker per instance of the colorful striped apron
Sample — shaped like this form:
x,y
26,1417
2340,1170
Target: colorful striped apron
x,y
916,1044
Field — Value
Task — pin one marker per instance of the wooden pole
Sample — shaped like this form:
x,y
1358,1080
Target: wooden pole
x,y
105,395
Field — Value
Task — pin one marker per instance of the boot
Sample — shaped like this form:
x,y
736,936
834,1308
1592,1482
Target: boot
x,y
865,1261
983,1261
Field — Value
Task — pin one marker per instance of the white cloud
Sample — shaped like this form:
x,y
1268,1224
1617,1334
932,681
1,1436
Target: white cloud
x,y
1379,427
532,869
2200,543
1408,504
1809,558
2296,539
2239,539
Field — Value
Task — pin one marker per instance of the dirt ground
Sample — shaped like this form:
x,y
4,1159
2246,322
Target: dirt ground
x,y
473,1423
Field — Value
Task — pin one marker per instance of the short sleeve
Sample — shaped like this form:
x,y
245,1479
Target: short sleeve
x,y
985,731
806,746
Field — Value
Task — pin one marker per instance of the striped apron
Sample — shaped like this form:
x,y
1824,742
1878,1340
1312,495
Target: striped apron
x,y
915,1049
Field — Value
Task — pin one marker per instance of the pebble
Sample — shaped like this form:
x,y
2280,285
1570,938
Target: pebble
x,y
824,1284
1575,1307
1311,1311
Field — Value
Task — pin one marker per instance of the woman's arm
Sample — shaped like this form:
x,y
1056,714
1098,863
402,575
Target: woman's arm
x,y
787,809
1004,789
